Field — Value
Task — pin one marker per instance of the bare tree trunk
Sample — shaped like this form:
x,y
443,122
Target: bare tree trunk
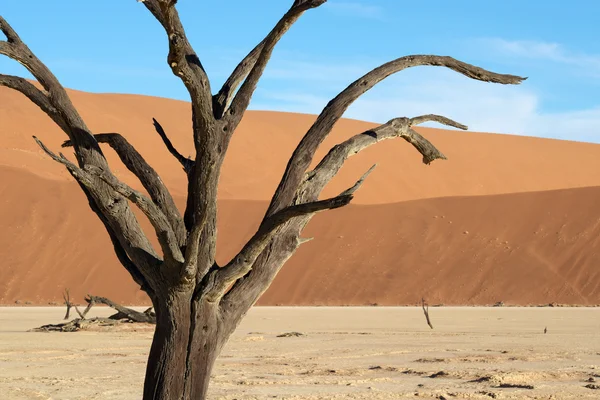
x,y
187,341
166,367
207,339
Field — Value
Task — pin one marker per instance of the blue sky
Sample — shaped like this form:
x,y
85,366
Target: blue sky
x,y
117,46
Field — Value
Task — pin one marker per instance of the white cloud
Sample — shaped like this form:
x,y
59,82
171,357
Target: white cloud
x,y
543,51
356,9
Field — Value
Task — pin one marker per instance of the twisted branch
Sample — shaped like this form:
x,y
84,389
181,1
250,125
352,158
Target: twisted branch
x,y
305,151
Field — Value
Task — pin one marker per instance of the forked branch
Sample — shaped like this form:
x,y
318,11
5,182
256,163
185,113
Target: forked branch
x,y
222,99
87,177
149,178
254,69
305,151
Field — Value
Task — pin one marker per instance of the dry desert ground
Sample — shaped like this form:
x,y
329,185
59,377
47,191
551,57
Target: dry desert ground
x,y
344,353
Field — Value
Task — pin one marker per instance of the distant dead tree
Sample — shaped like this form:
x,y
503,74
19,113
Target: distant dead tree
x,y
425,307
123,314
199,303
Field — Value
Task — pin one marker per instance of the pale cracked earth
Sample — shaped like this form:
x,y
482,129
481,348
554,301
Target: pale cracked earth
x,y
344,353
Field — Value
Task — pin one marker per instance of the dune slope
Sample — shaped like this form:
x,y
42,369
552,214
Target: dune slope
x,y
526,248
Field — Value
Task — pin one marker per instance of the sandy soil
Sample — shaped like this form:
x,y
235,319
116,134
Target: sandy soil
x,y
345,353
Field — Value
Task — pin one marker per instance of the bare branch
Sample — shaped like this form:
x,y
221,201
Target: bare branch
x,y
149,178
133,315
75,171
358,183
305,151
436,118
9,32
240,102
36,96
184,161
305,240
67,298
183,60
86,310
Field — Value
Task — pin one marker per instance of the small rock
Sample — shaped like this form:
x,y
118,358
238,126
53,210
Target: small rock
x,y
515,385
291,334
466,232
592,386
375,367
17,301
438,374
591,379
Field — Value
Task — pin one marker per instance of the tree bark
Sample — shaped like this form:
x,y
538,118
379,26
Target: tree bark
x,y
188,339
166,367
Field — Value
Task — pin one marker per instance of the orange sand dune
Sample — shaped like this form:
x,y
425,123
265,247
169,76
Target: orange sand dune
x,y
479,228
518,248
479,164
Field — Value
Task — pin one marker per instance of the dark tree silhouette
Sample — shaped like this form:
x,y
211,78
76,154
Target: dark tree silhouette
x,y
199,303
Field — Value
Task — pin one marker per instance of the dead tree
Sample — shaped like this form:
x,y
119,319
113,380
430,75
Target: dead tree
x,y
123,314
199,303
426,312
